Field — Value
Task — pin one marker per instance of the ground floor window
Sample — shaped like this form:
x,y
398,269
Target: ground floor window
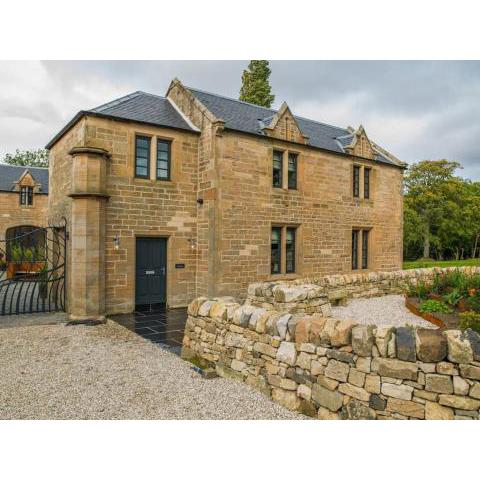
x,y
283,249
360,239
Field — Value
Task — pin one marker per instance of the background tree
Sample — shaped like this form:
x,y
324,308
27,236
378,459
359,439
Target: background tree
x,y
30,158
441,212
255,84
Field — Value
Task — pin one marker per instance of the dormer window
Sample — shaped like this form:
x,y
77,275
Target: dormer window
x,y
26,195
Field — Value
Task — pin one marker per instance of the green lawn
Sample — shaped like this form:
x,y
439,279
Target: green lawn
x,y
449,263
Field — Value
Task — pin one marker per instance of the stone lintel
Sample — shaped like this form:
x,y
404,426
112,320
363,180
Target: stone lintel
x,y
89,195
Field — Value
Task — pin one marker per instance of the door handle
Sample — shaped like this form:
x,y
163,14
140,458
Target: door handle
x,y
162,270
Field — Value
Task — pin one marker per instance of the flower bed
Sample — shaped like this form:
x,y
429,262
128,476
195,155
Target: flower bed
x,y
450,300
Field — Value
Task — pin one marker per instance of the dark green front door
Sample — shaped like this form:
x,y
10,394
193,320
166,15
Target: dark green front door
x,y
151,271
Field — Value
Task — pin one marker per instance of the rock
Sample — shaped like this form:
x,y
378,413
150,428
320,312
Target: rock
x,y
342,334
364,364
195,305
307,347
327,382
372,383
474,339
327,331
261,324
434,411
446,368
383,335
316,327
242,315
282,325
405,344
354,410
218,310
284,294
326,309
340,356
304,392
427,367
377,402
317,368
302,330
470,371
406,407
326,414
204,309
459,348
304,360
460,386
403,392
288,384
337,370
431,396
234,340
286,398
456,401
391,348
256,315
357,378
326,398
353,391
238,366
389,367
474,391
287,353
431,345
265,349
362,339
438,383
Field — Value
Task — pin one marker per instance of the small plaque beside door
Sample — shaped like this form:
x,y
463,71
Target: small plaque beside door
x,y
179,265
149,272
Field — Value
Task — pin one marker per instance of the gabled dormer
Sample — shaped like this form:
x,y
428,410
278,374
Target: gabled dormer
x,y
284,126
27,187
360,145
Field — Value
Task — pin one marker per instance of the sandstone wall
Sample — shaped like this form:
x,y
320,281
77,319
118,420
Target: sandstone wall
x,y
322,207
293,351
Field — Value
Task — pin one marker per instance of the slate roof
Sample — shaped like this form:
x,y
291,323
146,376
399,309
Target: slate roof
x,y
249,118
241,116
11,173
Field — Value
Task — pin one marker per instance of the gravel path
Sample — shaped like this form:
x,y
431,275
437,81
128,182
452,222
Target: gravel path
x,y
386,310
108,372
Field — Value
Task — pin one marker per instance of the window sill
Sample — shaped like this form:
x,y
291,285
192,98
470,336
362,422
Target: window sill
x,y
284,276
154,181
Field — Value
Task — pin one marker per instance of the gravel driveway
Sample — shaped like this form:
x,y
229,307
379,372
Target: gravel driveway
x,y
386,310
108,372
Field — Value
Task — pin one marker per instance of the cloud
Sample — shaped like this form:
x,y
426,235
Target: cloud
x,y
416,109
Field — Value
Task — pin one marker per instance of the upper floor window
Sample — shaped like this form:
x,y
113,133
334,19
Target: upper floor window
x,y
26,195
163,159
142,156
277,169
356,181
366,183
292,170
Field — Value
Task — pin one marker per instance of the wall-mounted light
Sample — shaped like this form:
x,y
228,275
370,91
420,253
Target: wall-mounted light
x,y
116,242
200,201
193,243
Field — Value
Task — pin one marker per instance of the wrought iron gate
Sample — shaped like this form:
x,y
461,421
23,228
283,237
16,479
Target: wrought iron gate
x,y
32,270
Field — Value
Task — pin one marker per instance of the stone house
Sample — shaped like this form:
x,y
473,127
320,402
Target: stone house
x,y
23,202
168,198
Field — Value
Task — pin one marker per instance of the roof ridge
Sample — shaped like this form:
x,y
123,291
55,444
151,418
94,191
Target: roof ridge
x,y
117,101
265,108
151,94
230,98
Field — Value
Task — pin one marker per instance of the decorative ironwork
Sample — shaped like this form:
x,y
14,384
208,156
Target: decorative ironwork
x,y
32,269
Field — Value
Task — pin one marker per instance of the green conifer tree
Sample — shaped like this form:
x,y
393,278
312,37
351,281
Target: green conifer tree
x,y
255,84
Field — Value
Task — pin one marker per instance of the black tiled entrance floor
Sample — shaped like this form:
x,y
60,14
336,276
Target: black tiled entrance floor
x,y
159,325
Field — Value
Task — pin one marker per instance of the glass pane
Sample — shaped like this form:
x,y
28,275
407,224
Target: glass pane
x,y
354,249
290,250
142,162
277,168
292,170
163,146
275,250
356,181
365,249
162,173
163,159
366,183
141,171
143,142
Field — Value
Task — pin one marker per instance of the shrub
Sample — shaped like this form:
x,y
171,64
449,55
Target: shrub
x,y
430,306
473,303
453,297
471,320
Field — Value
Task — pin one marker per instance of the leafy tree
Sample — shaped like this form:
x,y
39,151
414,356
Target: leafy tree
x,y
255,84
28,158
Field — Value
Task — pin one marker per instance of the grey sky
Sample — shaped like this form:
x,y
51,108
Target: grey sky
x,y
417,110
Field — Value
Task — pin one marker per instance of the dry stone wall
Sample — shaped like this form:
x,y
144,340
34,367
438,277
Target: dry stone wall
x,y
292,350
340,288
